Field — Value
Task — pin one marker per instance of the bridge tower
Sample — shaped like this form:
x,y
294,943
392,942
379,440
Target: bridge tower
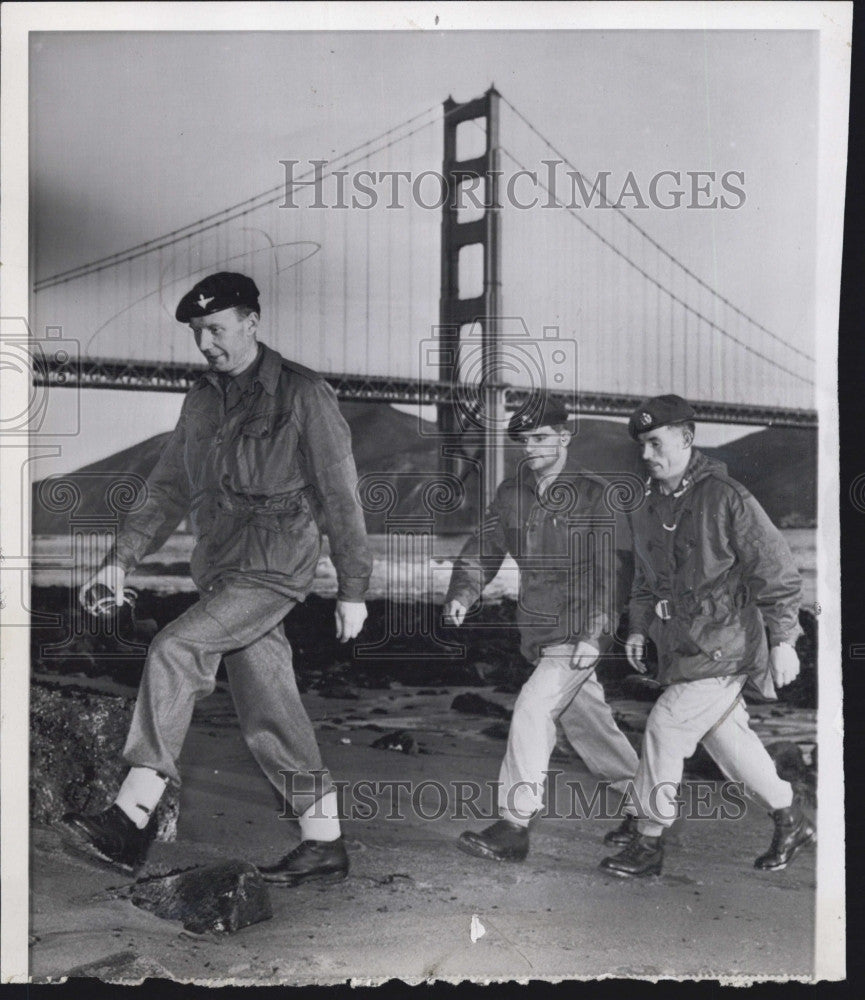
x,y
473,417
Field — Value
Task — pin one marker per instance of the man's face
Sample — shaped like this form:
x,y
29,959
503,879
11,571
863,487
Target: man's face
x,y
226,340
544,448
666,451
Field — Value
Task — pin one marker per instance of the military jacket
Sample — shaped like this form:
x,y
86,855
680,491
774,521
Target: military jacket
x,y
258,480
711,574
564,544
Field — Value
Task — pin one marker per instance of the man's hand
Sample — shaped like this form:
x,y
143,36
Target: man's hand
x,y
350,616
454,613
635,650
784,661
111,576
585,655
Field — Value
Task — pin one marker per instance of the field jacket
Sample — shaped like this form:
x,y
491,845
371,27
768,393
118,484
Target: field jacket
x,y
725,572
258,480
565,546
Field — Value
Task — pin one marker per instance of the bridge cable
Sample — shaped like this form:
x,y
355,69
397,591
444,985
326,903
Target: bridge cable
x,y
657,245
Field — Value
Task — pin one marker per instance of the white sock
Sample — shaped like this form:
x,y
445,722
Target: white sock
x,y
321,820
140,793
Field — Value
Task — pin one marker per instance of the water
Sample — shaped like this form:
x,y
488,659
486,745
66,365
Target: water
x,y
418,577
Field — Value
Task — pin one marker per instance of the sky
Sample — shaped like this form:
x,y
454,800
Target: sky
x,y
136,134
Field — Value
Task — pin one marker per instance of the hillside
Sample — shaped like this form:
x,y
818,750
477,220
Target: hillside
x,y
779,466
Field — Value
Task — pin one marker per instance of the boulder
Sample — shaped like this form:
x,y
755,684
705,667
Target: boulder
x,y
219,898
76,746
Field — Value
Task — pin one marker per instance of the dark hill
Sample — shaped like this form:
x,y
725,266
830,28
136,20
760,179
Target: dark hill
x,y
779,466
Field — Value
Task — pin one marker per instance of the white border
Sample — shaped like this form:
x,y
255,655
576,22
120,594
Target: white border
x,y
832,20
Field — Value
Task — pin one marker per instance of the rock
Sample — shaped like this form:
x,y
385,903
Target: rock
x,y
498,730
400,741
629,722
641,688
219,898
338,689
791,766
789,762
76,745
701,765
120,967
508,687
473,704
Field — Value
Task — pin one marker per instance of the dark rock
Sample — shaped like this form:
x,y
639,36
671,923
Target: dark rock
x,y
629,723
76,746
641,688
473,704
427,691
498,731
701,765
219,898
338,689
378,711
401,741
509,687
789,761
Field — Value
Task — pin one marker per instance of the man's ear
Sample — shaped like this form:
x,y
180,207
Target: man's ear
x,y
565,436
252,322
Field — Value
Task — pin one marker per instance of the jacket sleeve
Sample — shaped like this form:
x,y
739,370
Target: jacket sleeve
x,y
768,568
166,502
480,559
641,607
325,443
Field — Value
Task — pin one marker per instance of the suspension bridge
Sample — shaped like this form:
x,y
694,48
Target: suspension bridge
x,y
408,270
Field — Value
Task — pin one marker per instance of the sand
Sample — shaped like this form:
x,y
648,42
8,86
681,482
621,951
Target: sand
x,y
407,908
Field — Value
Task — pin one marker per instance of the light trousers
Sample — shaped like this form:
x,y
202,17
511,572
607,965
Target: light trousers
x,y
576,697
708,711
242,622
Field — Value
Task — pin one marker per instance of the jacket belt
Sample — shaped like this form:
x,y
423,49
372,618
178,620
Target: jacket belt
x,y
664,609
246,504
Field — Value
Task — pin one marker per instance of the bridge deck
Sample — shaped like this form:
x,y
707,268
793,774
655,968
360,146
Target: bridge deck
x,y
153,377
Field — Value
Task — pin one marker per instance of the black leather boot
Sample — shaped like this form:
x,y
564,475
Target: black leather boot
x,y
793,830
503,841
110,836
311,860
624,832
642,856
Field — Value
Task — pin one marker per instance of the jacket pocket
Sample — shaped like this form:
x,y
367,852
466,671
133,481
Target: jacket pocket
x,y
723,642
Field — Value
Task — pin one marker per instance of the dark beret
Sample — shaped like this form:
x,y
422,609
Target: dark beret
x,y
659,412
540,411
215,293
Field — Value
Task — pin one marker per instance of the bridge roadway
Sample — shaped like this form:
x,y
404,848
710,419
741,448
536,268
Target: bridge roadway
x,y
49,370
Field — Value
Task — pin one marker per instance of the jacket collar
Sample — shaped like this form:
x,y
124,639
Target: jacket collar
x,y
266,370
698,468
571,468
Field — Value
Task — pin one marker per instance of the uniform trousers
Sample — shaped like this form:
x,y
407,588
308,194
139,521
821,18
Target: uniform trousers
x,y
708,711
241,621
576,697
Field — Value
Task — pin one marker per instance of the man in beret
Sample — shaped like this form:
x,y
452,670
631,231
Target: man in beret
x,y
259,461
552,518
712,573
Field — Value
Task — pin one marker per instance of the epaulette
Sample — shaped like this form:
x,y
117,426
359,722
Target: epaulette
x,y
723,476
299,369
